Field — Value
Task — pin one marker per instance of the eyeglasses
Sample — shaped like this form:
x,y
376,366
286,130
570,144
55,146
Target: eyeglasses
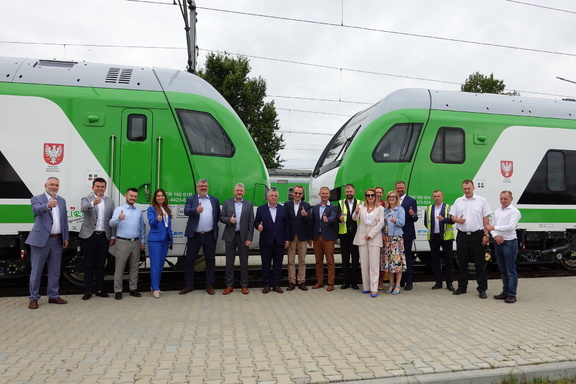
x,y
370,195
392,197
297,193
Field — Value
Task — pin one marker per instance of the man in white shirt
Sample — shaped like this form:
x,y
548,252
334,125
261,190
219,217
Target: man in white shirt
x,y
471,213
503,230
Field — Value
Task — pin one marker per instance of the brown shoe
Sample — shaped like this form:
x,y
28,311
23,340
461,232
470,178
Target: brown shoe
x,y
245,290
57,300
302,286
318,285
210,290
278,289
33,304
265,289
291,287
228,290
186,289
330,288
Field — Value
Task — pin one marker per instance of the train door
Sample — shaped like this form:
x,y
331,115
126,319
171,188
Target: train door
x,y
135,151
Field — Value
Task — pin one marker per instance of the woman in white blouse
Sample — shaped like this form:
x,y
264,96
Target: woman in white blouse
x,y
369,240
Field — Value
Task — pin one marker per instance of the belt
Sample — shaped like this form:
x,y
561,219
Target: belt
x,y
56,235
473,232
205,233
123,238
99,232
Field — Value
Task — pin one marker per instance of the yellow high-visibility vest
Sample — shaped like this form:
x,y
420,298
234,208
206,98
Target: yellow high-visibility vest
x,y
448,228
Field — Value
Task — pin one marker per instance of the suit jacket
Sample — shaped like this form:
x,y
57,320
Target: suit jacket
x,y
194,217
40,233
447,220
158,230
409,231
246,220
91,216
298,224
274,232
329,229
374,230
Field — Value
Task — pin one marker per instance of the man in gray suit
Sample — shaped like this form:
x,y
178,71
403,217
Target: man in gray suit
x,y
96,236
238,216
47,239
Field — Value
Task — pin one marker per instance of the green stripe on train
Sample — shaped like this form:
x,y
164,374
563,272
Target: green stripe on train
x,y
16,214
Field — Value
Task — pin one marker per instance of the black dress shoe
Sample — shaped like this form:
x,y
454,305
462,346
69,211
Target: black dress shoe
x,y
510,299
118,295
354,286
302,286
135,293
408,287
459,291
450,287
87,296
437,286
345,286
57,300
102,294
482,295
501,296
265,289
210,290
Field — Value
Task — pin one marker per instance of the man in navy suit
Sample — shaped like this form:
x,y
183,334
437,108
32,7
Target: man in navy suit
x,y
272,222
299,216
48,238
203,213
324,234
440,234
411,215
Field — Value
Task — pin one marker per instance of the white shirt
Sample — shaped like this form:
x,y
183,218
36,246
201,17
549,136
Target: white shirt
x,y
437,210
205,220
473,210
100,214
55,212
505,222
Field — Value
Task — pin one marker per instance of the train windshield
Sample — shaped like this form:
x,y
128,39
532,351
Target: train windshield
x,y
204,135
337,147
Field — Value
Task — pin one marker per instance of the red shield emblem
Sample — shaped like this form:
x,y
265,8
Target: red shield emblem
x,y
506,168
53,153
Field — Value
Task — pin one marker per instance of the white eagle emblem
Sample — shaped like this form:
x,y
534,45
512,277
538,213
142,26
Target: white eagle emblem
x,y
53,153
506,168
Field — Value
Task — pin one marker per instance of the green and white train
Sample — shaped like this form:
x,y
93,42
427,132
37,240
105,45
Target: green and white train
x,y
436,139
137,127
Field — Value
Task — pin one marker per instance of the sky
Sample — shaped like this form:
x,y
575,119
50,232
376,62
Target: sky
x,y
323,60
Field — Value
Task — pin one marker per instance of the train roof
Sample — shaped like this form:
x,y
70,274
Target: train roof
x,y
96,75
415,98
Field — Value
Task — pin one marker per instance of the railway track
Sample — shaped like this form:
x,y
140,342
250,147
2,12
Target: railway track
x,y
173,280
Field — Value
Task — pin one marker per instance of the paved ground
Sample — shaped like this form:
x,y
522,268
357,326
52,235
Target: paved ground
x,y
296,337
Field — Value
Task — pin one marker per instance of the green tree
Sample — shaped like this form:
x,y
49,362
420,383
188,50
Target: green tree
x,y
478,83
246,95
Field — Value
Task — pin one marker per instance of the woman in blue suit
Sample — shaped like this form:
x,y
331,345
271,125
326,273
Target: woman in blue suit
x,y
159,238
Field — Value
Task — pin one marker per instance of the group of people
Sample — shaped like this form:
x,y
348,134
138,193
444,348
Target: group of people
x,y
375,234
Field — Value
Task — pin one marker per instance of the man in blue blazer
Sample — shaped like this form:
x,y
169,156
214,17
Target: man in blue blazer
x,y
411,211
203,213
48,237
299,217
272,222
440,234
324,234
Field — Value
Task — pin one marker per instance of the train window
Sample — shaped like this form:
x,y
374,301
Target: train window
x,y
11,185
204,134
398,144
449,146
556,164
337,147
136,127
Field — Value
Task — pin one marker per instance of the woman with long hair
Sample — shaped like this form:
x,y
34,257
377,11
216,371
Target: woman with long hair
x,y
394,257
369,240
159,238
